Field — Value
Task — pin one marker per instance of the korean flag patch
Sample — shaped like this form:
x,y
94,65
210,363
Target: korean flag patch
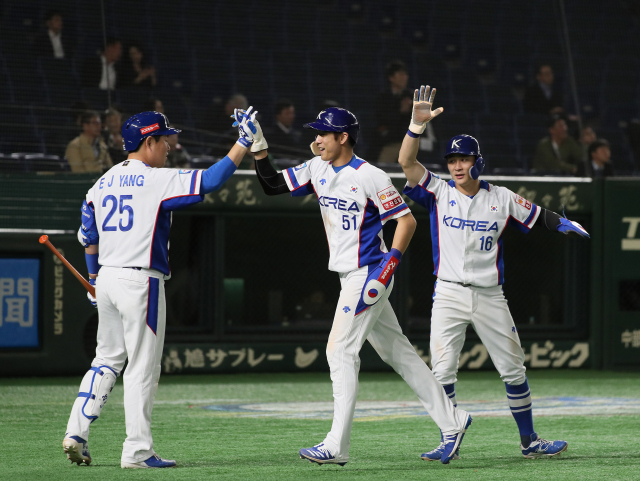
x,y
353,189
494,208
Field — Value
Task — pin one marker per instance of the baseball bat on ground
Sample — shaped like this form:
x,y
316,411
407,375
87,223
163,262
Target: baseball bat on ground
x,y
45,240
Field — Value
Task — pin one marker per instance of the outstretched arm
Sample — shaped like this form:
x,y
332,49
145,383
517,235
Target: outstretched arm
x,y
422,113
556,223
272,182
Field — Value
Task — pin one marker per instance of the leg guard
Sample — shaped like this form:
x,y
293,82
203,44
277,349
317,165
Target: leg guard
x,y
96,386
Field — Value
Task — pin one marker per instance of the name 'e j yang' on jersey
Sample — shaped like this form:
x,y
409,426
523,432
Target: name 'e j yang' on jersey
x,y
355,203
133,203
467,233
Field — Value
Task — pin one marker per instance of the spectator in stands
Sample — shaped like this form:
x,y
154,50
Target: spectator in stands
x,y
587,137
558,153
153,104
77,109
136,72
599,163
112,135
393,110
541,97
103,70
51,43
283,138
178,156
217,117
88,152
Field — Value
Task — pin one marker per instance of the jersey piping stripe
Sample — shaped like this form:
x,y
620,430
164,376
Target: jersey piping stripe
x,y
158,257
193,182
302,190
293,179
369,236
531,216
394,211
434,221
499,258
152,304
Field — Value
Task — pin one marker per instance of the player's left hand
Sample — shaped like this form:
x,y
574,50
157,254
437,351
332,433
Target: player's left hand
x,y
422,113
567,226
380,278
92,300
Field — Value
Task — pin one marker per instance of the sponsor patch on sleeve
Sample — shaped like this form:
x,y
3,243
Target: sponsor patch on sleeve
x,y
299,167
523,202
390,197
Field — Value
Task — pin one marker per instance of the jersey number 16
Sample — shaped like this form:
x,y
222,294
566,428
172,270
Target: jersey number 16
x,y
486,244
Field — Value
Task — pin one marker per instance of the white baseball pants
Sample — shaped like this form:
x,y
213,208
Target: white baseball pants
x,y
486,309
132,319
379,325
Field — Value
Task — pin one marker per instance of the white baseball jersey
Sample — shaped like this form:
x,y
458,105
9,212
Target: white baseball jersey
x,y
133,204
355,203
466,233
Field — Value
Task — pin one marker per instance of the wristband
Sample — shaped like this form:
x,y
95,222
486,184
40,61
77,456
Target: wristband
x,y
92,263
411,134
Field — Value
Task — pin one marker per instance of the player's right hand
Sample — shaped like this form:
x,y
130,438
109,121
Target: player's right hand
x,y
92,299
246,128
422,113
379,279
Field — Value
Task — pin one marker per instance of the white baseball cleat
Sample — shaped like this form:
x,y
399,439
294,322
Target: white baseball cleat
x,y
154,461
77,450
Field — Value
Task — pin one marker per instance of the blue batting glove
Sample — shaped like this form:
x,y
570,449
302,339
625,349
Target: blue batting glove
x,y
379,279
92,299
567,226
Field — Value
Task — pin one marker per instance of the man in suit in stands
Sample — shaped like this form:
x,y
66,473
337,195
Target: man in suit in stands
x,y
541,97
51,43
599,163
283,138
102,71
558,153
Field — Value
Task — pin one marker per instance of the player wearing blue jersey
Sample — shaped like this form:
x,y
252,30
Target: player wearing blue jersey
x,y
126,219
468,218
356,199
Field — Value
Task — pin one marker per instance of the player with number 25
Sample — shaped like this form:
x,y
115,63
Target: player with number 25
x,y
126,219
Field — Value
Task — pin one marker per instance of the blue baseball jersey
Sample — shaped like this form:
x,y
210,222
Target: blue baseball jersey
x,y
133,204
467,233
355,203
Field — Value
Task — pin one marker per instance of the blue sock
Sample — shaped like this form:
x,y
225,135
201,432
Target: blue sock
x,y
450,389
520,403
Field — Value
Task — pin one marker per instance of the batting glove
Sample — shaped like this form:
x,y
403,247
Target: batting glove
x,y
565,226
380,278
92,299
246,128
259,142
422,113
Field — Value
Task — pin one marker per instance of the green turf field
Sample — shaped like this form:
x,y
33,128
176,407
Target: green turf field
x,y
262,444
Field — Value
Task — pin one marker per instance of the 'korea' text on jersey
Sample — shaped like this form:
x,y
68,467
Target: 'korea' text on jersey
x,y
355,203
467,233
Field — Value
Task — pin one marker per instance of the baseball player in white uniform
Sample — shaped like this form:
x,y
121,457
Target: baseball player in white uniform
x,y
126,219
468,218
356,200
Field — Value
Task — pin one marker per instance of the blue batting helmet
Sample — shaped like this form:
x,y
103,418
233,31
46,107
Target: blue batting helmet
x,y
143,125
466,145
335,119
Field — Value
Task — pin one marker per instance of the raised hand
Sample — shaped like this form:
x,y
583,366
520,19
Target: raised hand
x,y
246,128
422,113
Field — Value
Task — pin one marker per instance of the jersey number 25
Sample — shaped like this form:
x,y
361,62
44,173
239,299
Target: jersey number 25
x,y
123,208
